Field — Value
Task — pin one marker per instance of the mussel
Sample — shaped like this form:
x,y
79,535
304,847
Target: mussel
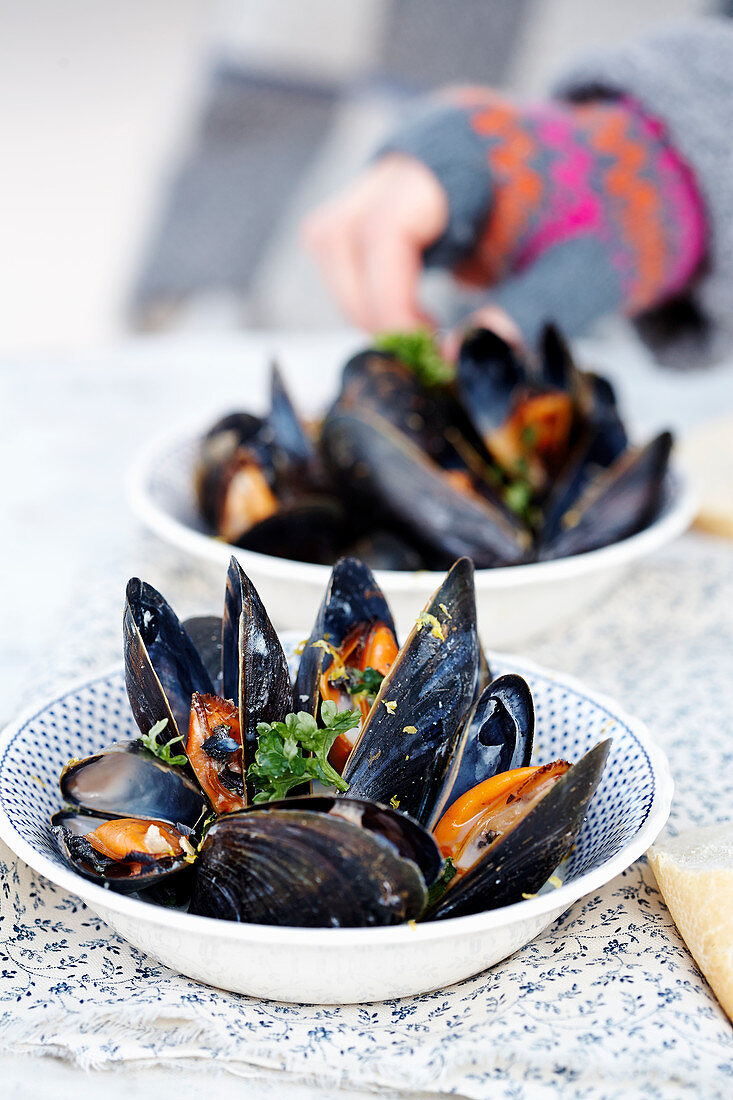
x,y
130,854
351,648
405,752
316,862
260,486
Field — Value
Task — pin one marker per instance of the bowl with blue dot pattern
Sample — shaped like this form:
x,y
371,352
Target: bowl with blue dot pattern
x,y
303,965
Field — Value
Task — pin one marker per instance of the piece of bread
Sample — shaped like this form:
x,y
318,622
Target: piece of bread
x,y
707,454
695,875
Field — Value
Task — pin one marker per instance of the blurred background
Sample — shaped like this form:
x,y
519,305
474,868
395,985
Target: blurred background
x,y
158,154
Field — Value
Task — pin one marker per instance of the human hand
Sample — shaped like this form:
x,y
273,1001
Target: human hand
x,y
369,242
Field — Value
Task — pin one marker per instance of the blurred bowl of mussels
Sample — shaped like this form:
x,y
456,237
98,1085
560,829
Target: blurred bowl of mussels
x,y
520,461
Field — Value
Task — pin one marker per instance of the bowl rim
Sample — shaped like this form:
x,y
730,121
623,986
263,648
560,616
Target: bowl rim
x,y
672,522
560,899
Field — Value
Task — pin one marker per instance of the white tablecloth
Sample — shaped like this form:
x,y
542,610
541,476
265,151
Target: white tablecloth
x,y
606,1004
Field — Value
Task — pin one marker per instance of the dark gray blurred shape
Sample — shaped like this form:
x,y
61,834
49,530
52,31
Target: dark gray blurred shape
x,y
432,42
256,137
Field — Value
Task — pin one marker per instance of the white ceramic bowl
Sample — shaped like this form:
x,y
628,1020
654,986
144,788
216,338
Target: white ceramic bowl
x,y
340,965
514,603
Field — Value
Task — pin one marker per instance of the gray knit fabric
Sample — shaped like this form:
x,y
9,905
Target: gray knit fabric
x,y
440,135
683,75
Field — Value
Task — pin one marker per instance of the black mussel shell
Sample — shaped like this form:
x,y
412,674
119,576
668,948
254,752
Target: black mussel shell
x,y
488,377
310,528
387,475
352,597
557,367
620,501
376,381
387,550
124,876
162,666
404,753
287,434
125,780
498,736
217,460
523,860
254,666
314,863
205,633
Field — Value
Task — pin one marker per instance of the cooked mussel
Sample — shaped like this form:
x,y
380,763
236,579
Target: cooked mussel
x,y
127,780
254,666
126,854
162,665
619,502
353,633
405,751
508,835
444,512
315,862
214,751
250,468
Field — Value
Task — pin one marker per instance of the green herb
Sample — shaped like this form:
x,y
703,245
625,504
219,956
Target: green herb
x,y
518,497
418,351
366,681
440,885
296,751
163,751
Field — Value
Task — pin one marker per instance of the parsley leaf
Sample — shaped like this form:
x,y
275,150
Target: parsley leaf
x,y
366,680
418,351
281,760
163,752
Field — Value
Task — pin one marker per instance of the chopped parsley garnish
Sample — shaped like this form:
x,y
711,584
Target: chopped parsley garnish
x,y
296,751
367,681
418,351
163,751
440,885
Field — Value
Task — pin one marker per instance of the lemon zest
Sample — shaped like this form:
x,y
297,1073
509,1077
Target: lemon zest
x,y
426,619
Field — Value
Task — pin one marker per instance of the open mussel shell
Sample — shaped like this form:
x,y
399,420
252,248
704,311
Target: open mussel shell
x,y
314,863
125,780
254,666
162,666
405,750
488,375
134,873
620,501
499,735
376,381
394,480
288,436
352,597
525,857
216,460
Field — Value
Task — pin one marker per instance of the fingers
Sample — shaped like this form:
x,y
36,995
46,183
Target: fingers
x,y
489,316
369,242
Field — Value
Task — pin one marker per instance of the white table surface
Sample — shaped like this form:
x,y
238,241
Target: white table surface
x,y
68,430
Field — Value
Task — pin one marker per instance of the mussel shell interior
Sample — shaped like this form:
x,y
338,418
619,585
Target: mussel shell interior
x,y
126,780
499,735
523,860
307,866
